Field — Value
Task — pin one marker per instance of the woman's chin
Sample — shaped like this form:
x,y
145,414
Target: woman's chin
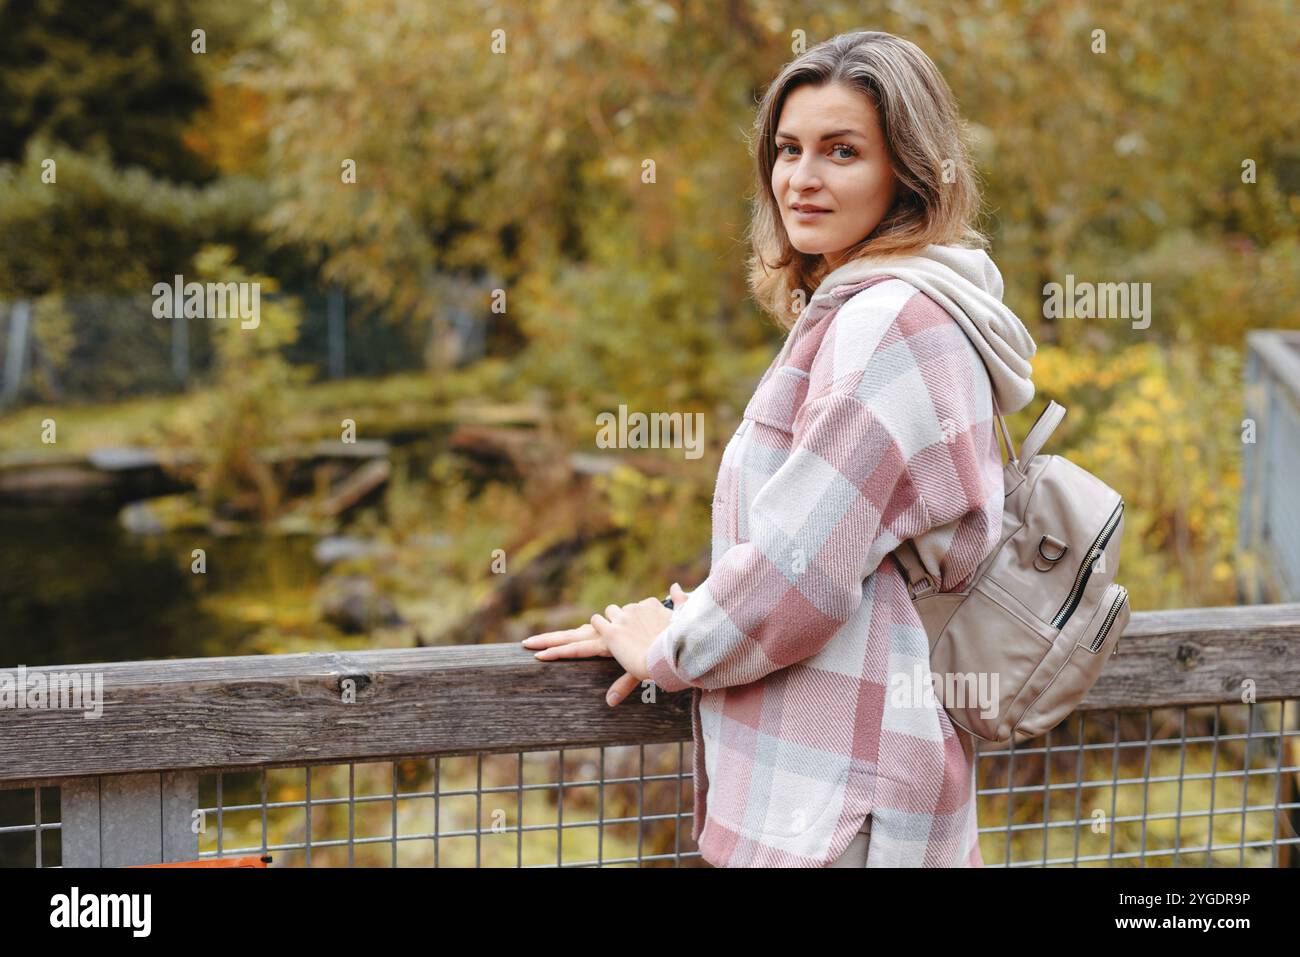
x,y
809,247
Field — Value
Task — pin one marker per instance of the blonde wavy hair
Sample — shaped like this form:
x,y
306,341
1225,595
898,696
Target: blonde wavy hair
x,y
938,199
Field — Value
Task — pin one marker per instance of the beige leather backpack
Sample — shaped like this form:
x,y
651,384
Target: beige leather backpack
x,y
1016,651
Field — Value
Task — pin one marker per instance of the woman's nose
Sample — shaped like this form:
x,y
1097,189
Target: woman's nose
x,y
804,176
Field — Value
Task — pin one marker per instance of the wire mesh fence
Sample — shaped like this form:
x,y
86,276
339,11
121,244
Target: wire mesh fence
x,y
1165,787
607,806
1213,786
30,827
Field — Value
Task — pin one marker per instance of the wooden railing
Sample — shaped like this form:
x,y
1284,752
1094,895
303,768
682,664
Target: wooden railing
x,y
166,723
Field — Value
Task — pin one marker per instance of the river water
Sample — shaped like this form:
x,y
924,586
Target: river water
x,y
77,588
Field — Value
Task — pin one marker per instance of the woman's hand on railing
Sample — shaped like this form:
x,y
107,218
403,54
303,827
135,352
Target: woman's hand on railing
x,y
623,632
625,685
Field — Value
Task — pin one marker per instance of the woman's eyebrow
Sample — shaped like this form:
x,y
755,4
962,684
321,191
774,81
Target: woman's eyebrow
x,y
824,136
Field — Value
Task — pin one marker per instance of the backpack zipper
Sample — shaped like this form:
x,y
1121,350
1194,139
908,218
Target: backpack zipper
x,y
1081,579
1110,619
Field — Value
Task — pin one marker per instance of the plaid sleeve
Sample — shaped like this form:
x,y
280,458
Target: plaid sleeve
x,y
840,502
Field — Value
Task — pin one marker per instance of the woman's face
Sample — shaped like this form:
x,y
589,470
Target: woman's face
x,y
830,153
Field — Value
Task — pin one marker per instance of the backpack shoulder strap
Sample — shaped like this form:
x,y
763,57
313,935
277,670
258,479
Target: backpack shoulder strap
x,y
1041,430
919,582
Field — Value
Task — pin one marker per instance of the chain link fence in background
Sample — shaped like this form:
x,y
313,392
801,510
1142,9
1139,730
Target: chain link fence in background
x,y
95,348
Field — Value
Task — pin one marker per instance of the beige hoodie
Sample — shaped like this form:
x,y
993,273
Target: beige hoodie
x,y
968,285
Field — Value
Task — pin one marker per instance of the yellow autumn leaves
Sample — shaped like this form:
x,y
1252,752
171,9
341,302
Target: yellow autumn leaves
x,y
1161,425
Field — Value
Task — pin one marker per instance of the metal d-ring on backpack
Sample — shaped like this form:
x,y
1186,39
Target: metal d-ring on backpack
x,y
1014,653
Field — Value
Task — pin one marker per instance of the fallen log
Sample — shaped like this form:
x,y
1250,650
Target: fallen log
x,y
354,489
124,474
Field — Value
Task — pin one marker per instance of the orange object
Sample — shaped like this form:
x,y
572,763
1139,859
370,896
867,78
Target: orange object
x,y
218,862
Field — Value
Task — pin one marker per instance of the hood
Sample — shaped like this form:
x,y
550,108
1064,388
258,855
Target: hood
x,y
967,284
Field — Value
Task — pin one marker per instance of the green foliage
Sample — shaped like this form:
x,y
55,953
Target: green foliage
x,y
661,520
103,229
246,412
119,80
596,170
1093,157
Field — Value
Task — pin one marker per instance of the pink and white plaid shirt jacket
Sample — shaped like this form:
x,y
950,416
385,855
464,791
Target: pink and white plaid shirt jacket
x,y
805,656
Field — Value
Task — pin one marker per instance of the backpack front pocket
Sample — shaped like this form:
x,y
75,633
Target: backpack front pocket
x,y
1085,569
1069,685
1111,619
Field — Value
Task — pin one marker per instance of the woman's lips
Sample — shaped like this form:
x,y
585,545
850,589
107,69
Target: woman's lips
x,y
808,216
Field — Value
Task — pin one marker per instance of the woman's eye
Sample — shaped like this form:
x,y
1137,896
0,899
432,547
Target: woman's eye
x,y
838,146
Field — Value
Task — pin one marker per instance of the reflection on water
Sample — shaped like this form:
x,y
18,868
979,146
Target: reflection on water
x,y
77,588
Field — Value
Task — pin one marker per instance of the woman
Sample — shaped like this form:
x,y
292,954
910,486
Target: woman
x,y
816,743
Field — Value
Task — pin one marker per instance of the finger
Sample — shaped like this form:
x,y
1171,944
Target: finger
x,y
621,688
578,649
600,623
613,611
548,639
678,596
